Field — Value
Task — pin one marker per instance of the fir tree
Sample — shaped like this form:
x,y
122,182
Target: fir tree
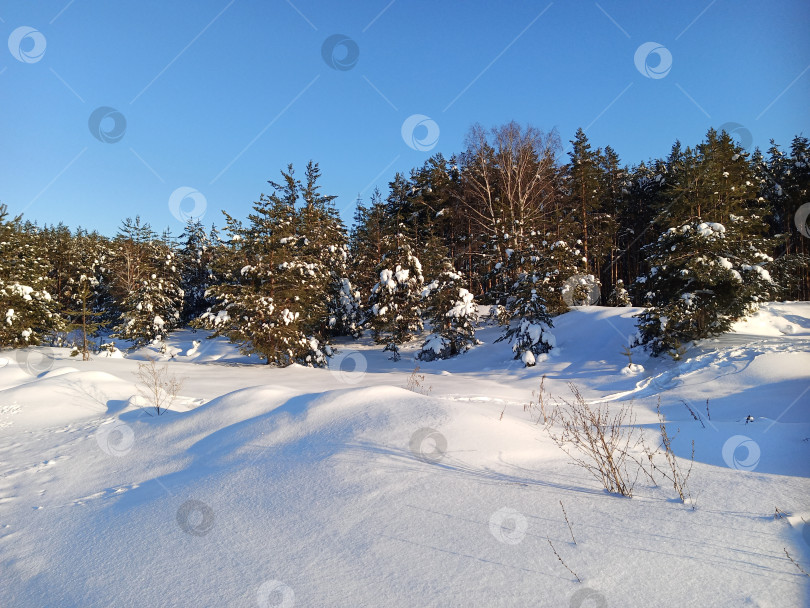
x,y
453,316
273,300
619,296
394,313
28,312
700,282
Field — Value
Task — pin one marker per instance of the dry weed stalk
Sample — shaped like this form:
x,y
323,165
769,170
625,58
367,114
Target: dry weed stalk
x,y
416,382
673,471
599,441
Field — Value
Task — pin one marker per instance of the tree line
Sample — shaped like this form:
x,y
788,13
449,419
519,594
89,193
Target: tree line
x,y
697,238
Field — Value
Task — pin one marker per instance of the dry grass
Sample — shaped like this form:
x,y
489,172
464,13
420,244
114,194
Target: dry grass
x,y
598,439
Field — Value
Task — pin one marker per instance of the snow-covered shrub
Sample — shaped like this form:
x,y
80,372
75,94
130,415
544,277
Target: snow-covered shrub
x,y
530,330
532,340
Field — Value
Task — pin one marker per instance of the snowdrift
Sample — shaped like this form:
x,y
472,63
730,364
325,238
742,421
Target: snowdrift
x,y
339,487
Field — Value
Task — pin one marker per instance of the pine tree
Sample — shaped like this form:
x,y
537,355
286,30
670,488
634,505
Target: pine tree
x,y
619,296
700,282
28,312
394,312
83,291
584,187
367,244
150,298
196,276
784,185
453,316
83,318
637,226
273,298
712,267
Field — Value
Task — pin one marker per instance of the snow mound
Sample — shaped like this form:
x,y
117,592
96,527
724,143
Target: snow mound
x,y
305,487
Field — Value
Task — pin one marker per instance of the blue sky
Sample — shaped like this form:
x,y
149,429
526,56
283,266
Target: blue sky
x,y
218,95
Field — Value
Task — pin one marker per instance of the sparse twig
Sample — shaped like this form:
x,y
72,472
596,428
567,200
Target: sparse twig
x,y
675,475
416,382
156,385
695,415
562,562
779,513
570,529
708,413
795,563
598,440
545,417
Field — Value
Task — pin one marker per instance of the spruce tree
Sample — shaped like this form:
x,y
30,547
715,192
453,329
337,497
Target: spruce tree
x,y
273,298
712,267
526,315
325,244
28,312
394,312
619,296
453,315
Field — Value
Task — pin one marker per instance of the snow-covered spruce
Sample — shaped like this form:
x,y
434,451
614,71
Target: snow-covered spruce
x,y
619,296
346,316
701,281
28,310
529,330
394,311
273,295
453,316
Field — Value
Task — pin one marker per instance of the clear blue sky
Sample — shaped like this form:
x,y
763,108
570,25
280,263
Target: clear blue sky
x,y
218,95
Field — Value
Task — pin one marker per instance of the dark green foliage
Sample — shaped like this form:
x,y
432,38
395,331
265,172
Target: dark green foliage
x,y
453,315
146,284
278,273
700,282
28,310
394,306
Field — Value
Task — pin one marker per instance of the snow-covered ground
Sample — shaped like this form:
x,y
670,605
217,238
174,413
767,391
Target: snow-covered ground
x,y
309,487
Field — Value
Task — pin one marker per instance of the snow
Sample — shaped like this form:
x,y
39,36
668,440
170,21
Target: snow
x,y
708,229
321,487
435,343
401,275
386,279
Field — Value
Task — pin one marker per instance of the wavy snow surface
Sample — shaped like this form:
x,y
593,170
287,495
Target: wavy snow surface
x,y
339,487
